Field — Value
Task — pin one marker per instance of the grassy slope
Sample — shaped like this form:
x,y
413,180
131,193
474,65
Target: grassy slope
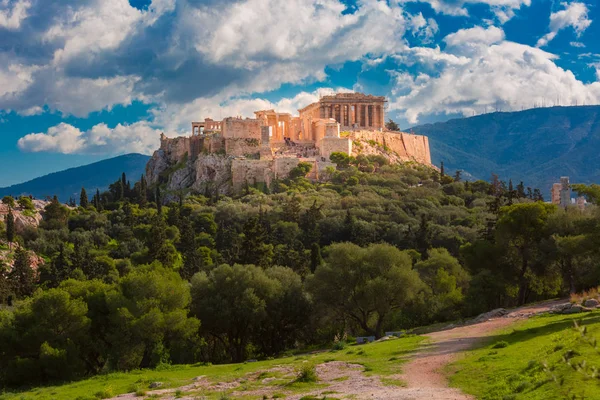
x,y
516,371
382,359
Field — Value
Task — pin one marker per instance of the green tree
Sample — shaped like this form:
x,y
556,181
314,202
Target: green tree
x,y
301,170
25,203
9,222
365,284
447,281
340,159
22,276
591,192
520,230
9,201
55,215
45,339
149,320
83,198
192,258
315,257
392,126
232,303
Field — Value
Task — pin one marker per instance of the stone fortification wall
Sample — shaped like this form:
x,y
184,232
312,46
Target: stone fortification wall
x,y
250,172
408,147
242,147
329,145
237,128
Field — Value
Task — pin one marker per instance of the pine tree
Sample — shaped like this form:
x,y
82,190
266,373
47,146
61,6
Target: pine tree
x,y
83,198
442,171
22,276
458,175
10,227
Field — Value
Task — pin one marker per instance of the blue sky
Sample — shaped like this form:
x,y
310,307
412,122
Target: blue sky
x,y
83,80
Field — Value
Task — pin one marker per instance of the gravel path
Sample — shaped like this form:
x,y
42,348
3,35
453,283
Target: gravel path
x,y
424,373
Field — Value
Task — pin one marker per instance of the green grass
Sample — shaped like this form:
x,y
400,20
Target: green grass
x,y
510,365
383,359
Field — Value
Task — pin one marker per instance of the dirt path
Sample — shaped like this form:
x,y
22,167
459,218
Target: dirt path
x,y
424,374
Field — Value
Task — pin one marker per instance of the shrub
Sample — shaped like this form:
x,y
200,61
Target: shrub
x,y
308,373
500,345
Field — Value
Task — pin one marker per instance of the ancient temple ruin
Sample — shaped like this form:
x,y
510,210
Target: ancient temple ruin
x,y
272,143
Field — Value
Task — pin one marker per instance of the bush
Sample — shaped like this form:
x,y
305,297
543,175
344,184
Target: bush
x,y
308,373
500,345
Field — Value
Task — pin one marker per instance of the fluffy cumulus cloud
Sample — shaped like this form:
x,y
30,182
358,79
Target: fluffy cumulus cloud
x,y
503,9
100,139
79,56
574,15
13,12
480,71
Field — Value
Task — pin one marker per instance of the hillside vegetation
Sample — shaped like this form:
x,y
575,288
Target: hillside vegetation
x,y
537,146
131,283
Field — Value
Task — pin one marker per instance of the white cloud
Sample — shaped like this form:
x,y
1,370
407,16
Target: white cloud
x,y
468,41
90,55
103,25
503,9
67,139
12,13
425,29
490,74
574,15
577,44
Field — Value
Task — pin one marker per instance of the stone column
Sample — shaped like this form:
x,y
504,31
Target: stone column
x,y
367,116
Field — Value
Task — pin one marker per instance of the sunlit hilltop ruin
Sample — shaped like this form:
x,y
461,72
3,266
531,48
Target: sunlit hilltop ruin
x,y
225,155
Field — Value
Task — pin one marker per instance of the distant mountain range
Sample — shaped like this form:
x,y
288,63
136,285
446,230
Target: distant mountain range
x,y
69,182
536,146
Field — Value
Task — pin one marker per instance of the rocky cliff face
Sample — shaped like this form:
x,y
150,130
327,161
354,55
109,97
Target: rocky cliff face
x,y
208,173
205,165
25,218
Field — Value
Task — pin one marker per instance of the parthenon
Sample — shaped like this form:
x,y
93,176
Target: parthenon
x,y
351,110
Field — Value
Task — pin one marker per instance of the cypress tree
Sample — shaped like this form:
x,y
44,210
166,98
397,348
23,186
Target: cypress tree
x,y
158,201
442,171
10,226
143,191
83,198
124,185
315,257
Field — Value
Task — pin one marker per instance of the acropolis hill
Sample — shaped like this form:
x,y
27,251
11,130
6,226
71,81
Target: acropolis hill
x,y
226,155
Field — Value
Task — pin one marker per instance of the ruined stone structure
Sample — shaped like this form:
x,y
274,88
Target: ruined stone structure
x,y
226,155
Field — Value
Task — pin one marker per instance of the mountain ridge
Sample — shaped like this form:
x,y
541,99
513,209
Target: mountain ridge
x,y
68,182
536,146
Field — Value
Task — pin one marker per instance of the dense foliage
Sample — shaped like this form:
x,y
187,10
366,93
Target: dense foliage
x,y
129,283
